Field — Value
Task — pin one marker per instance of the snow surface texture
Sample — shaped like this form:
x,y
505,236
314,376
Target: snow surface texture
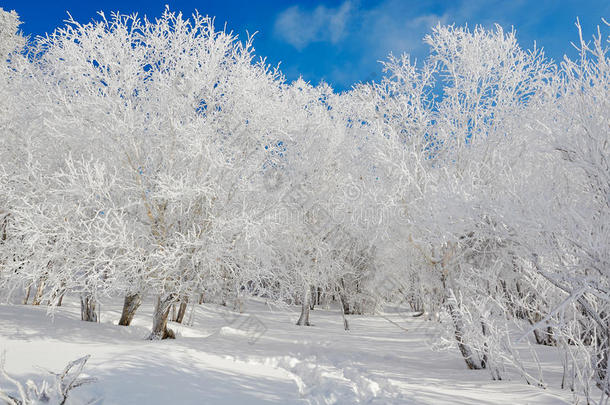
x,y
217,360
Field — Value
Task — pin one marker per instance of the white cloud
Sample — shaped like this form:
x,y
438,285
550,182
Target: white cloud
x,y
300,27
388,26
363,32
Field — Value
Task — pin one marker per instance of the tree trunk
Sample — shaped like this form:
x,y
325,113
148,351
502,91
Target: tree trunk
x,y
58,296
485,358
61,299
304,318
130,305
161,313
456,317
3,225
88,309
172,312
545,337
191,315
344,304
345,323
312,300
181,310
27,294
39,291
601,367
458,325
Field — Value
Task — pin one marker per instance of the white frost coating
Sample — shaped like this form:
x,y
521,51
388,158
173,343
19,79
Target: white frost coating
x,y
160,158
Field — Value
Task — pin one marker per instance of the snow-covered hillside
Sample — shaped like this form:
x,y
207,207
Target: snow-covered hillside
x,y
216,361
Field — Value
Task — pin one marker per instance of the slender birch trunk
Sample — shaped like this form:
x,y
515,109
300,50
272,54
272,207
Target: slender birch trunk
x,y
305,308
27,294
39,291
345,323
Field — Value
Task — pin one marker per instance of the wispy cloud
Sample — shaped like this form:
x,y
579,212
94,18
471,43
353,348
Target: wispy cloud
x,y
361,33
300,27
390,25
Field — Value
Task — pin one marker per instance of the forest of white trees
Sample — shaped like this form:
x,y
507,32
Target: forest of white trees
x,y
162,159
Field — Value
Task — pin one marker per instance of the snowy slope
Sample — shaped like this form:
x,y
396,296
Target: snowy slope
x,y
217,361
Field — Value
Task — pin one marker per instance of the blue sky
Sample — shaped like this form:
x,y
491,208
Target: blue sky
x,y
342,41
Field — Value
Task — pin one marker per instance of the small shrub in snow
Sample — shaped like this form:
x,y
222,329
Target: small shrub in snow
x,y
53,393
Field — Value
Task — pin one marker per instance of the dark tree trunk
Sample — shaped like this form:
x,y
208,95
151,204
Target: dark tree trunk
x,y
344,304
181,310
485,358
88,309
130,305
161,313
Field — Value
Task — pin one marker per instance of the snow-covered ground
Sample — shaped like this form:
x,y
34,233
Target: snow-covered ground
x,y
259,357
